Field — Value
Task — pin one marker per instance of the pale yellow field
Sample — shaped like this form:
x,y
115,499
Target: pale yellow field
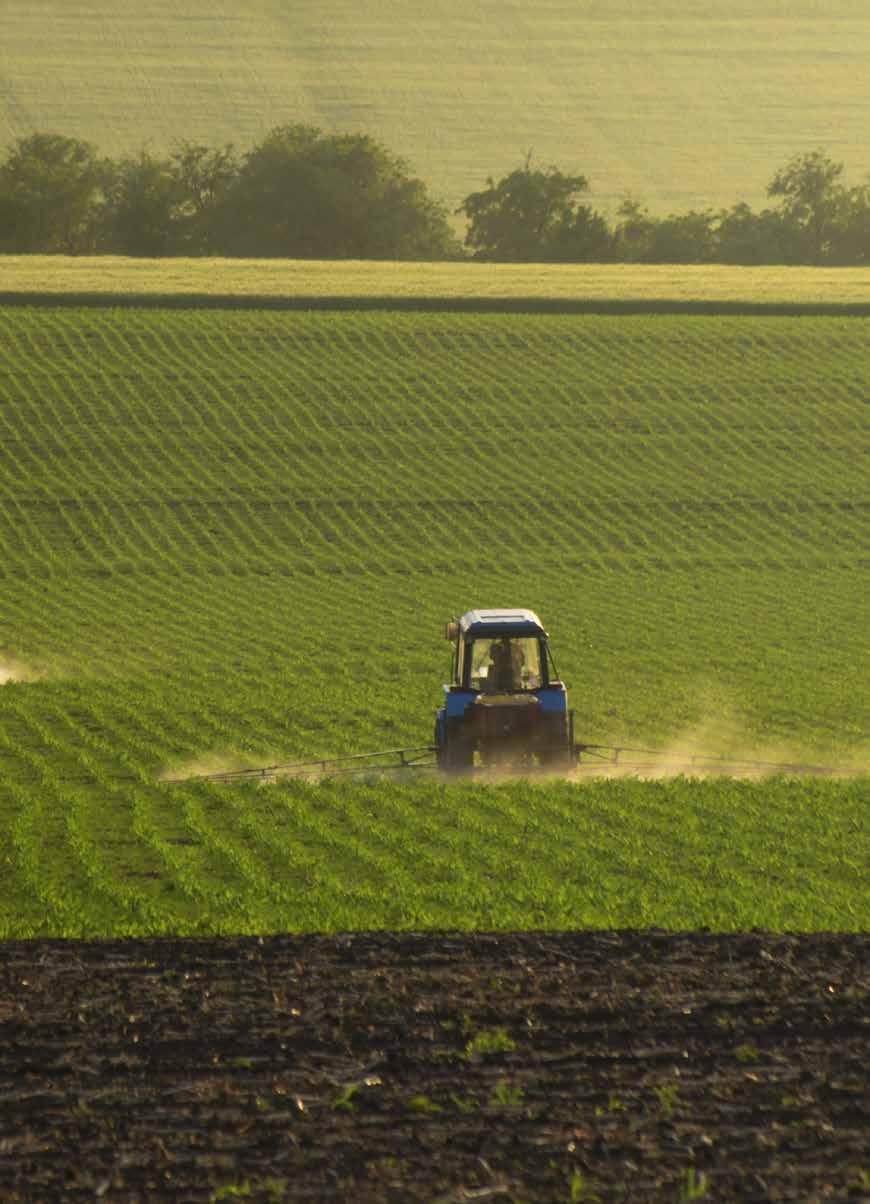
x,y
43,275
684,103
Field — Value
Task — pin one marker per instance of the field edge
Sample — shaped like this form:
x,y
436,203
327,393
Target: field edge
x,y
434,304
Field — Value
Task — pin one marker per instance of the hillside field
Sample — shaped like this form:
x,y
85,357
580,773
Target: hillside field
x,y
230,537
682,103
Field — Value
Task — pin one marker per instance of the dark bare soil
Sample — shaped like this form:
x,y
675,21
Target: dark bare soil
x,y
540,1067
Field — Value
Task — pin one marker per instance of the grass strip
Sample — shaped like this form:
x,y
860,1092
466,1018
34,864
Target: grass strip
x,y
352,284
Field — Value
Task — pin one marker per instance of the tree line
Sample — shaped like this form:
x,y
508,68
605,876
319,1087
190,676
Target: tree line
x,y
305,194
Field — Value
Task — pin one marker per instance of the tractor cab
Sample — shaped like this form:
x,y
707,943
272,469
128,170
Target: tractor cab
x,y
499,651
505,704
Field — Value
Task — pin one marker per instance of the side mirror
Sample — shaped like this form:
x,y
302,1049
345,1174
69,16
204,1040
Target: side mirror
x,y
451,631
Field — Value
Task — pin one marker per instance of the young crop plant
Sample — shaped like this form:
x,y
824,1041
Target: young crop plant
x,y
489,1041
271,1190
695,1185
667,1095
505,1095
582,1190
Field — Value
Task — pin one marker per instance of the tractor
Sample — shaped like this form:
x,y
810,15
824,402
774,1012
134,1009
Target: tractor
x,y
505,705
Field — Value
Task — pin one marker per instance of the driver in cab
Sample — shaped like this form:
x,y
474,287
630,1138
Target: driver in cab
x,y
505,669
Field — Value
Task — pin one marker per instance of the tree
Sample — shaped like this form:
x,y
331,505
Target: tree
x,y
51,192
682,238
751,238
583,236
168,206
141,203
204,177
307,195
812,203
850,242
632,237
527,215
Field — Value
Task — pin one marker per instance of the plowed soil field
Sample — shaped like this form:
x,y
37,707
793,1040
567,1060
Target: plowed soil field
x,y
375,1067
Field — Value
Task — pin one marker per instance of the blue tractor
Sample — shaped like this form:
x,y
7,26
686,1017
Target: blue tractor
x,y
505,704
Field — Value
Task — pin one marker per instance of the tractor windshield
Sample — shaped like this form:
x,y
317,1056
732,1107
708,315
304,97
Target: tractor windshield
x,y
506,664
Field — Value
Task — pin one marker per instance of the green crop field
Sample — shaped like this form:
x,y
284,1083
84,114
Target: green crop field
x,y
685,103
232,537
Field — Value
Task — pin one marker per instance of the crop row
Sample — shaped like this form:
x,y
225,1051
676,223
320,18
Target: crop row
x,y
197,858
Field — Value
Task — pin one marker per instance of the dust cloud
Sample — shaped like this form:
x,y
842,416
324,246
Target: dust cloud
x,y
14,671
716,747
211,765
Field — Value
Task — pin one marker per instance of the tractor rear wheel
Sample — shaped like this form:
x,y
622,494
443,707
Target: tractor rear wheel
x,y
556,758
557,752
457,752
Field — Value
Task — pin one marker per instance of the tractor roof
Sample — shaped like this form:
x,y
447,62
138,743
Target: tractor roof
x,y
477,624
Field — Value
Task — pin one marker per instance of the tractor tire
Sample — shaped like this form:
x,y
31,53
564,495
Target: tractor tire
x,y
557,753
457,754
556,758
440,749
